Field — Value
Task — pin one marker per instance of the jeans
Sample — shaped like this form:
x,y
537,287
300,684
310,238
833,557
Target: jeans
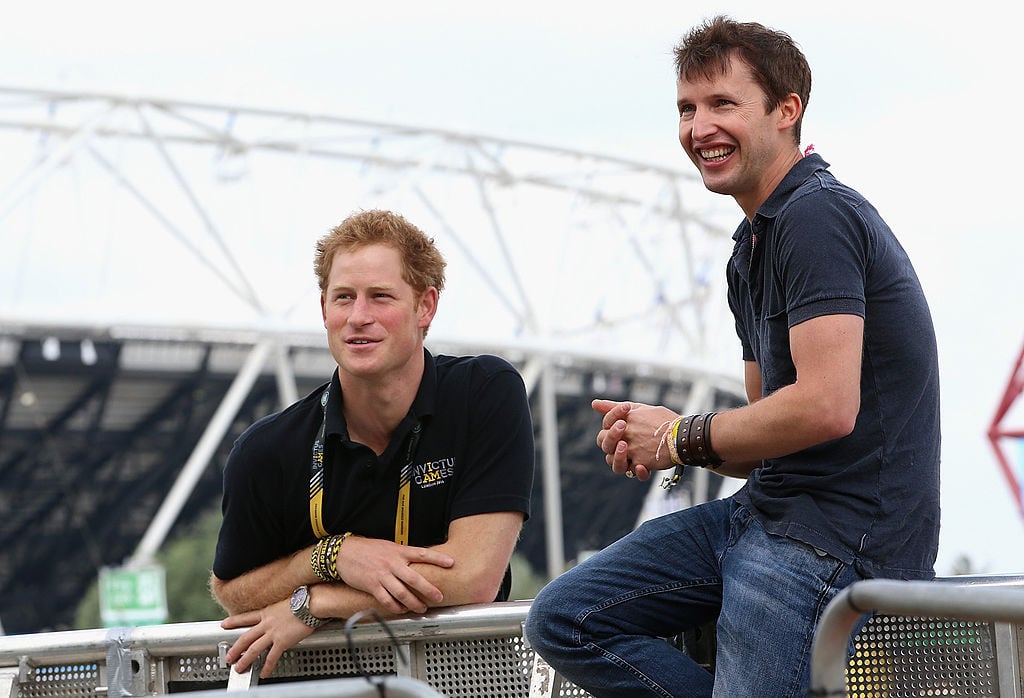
x,y
602,624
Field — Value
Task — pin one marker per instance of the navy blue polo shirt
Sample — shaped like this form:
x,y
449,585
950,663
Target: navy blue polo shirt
x,y
474,455
817,247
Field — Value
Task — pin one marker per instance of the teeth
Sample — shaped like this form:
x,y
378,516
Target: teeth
x,y
716,154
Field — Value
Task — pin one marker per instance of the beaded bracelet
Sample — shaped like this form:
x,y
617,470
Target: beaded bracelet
x,y
324,558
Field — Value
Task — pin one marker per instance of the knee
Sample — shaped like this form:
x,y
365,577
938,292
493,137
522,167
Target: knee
x,y
548,625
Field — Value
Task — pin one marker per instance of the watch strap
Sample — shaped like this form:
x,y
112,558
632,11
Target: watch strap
x,y
303,613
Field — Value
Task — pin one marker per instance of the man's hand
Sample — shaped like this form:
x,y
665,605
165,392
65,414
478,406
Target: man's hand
x,y
632,436
274,630
382,569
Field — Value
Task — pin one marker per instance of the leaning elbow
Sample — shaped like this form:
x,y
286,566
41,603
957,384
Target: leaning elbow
x,y
838,430
218,592
484,589
837,423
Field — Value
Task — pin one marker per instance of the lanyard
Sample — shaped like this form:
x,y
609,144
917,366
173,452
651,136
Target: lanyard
x,y
404,489
316,480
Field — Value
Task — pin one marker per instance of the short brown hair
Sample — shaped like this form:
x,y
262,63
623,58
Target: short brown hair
x,y
778,65
422,263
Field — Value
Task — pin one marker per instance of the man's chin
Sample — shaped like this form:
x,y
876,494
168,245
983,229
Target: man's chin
x,y
715,185
357,365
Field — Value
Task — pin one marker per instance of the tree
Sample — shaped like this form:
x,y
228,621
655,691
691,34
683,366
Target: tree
x,y
187,560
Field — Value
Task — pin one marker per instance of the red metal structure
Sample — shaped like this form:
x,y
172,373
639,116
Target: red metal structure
x,y
998,432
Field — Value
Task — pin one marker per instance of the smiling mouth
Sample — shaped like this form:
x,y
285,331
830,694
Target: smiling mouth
x,y
715,154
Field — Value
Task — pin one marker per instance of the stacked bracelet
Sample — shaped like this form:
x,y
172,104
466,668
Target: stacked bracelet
x,y
324,558
671,435
693,441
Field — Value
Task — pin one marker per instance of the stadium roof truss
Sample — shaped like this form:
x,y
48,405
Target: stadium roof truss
x,y
156,297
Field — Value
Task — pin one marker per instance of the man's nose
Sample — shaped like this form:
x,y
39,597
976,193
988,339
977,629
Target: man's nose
x,y
702,125
360,314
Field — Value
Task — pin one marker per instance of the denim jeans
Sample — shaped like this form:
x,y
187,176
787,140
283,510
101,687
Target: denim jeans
x,y
602,624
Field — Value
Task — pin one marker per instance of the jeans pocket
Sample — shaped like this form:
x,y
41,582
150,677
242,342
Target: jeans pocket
x,y
739,520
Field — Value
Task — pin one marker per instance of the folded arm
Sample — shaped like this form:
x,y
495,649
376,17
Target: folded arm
x,y
263,586
478,547
379,567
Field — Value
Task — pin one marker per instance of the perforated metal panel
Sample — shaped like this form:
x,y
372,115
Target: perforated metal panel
x,y
492,667
201,668
66,681
898,657
338,661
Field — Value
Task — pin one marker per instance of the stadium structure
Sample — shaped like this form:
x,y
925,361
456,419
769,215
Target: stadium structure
x,y
157,296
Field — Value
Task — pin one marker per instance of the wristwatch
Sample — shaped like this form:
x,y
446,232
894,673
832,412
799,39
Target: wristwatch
x,y
300,607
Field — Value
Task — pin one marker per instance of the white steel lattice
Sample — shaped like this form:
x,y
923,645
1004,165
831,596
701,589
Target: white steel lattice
x,y
545,244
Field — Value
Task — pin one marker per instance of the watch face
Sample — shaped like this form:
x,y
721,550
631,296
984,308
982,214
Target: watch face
x,y
299,598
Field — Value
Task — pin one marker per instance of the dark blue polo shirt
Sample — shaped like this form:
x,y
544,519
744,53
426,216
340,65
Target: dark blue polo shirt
x,y
475,455
817,247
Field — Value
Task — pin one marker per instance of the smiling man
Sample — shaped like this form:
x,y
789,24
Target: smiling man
x,y
839,444
398,486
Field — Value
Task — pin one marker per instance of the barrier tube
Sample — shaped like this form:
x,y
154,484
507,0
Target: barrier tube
x,y
934,599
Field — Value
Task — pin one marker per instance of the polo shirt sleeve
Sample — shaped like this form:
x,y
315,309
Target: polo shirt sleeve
x,y
250,534
822,256
500,452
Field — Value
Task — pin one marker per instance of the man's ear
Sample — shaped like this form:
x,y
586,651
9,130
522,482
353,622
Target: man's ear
x,y
790,109
427,307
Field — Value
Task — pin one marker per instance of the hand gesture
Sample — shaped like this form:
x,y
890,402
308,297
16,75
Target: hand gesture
x,y
632,437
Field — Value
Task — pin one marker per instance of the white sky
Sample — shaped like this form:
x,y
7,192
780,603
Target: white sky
x,y
916,106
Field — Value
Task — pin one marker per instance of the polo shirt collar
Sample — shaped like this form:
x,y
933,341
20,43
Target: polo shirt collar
x,y
796,176
422,405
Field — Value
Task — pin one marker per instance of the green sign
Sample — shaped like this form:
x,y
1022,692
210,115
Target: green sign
x,y
132,596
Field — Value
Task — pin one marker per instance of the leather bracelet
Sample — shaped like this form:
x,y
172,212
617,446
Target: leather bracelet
x,y
693,443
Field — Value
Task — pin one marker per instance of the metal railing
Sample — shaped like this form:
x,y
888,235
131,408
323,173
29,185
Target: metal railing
x,y
952,637
949,637
471,651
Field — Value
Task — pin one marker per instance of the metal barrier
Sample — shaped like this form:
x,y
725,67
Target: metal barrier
x,y
949,637
908,648
471,652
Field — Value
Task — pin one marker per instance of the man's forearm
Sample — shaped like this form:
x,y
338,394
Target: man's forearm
x,y
338,600
265,585
481,546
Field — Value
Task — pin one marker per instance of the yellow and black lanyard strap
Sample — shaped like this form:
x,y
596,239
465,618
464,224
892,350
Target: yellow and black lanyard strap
x,y
404,489
316,481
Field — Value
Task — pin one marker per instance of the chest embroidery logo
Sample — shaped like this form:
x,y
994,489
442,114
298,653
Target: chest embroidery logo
x,y
433,473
